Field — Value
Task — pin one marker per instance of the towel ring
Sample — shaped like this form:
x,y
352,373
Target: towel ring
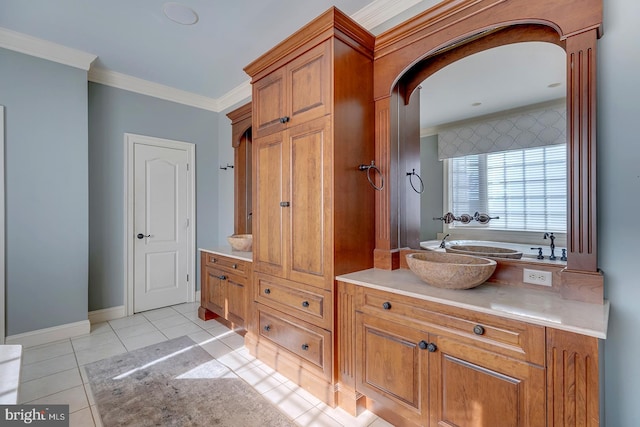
x,y
368,169
410,175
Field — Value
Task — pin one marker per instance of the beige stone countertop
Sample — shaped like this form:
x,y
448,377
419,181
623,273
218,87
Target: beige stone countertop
x,y
530,305
227,251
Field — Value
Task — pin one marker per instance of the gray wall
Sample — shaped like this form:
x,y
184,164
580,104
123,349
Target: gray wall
x,y
46,192
619,205
112,113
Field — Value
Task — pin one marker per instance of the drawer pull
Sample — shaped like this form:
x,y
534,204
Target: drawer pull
x,y
213,259
285,204
267,328
305,347
478,330
305,303
423,344
284,119
267,291
386,305
223,277
234,266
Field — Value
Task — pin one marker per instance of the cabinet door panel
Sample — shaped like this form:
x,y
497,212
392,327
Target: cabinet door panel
x,y
309,80
268,104
214,291
236,301
393,369
268,240
472,387
310,202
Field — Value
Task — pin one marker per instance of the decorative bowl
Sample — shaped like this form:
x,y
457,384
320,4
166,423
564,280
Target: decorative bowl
x,y
241,242
451,271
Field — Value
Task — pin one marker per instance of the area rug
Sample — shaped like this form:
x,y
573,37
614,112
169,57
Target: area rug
x,y
176,383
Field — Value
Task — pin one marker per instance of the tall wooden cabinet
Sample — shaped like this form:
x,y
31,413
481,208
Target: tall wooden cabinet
x,y
313,210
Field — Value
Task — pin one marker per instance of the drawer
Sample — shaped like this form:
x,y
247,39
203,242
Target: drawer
x,y
519,340
225,263
305,302
306,341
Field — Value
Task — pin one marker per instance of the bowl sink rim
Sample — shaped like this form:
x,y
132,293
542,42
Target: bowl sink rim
x,y
491,251
463,277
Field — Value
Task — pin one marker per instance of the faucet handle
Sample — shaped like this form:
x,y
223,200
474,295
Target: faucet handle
x,y
540,256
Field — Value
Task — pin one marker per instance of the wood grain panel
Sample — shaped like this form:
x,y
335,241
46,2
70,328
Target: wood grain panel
x,y
572,379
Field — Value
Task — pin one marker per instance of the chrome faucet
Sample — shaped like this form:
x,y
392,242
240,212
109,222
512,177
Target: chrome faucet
x,y
551,237
442,243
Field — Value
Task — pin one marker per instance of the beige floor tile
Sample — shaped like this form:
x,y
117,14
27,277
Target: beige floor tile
x,y
47,367
99,328
258,379
186,307
235,361
288,401
81,418
46,351
314,417
180,330
346,419
215,348
45,386
140,341
379,422
98,353
88,341
167,322
159,313
75,397
136,330
233,340
125,322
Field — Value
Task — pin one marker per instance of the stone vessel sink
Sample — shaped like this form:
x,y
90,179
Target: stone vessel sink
x,y
241,242
451,271
484,251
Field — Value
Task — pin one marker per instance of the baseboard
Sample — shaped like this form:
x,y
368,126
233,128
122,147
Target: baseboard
x,y
47,335
106,314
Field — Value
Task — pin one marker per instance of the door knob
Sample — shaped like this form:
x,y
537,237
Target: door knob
x,y
142,236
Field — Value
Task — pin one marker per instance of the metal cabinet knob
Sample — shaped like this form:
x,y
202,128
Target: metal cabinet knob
x,y
285,204
142,236
305,303
478,330
284,119
223,277
234,266
267,328
267,291
305,347
431,347
386,305
423,344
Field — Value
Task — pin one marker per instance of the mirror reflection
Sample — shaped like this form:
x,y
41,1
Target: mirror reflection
x,y
492,154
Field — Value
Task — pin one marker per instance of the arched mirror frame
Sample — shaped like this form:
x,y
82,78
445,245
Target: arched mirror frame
x,y
240,141
453,29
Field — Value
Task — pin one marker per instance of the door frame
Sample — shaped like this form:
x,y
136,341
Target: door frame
x,y
130,140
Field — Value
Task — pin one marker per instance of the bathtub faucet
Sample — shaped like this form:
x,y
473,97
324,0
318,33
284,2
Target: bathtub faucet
x,y
552,245
442,243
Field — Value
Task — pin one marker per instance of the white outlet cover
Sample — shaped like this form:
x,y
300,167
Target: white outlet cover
x,y
537,277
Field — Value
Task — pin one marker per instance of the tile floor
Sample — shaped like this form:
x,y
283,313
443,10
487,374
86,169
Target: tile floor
x,y
54,373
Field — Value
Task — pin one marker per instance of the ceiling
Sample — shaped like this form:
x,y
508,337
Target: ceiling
x,y
135,39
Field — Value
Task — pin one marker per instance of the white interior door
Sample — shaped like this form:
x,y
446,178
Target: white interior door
x,y
161,223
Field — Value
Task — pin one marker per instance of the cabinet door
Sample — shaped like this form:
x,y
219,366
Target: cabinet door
x,y
236,301
311,222
269,104
268,213
392,369
214,291
309,85
473,387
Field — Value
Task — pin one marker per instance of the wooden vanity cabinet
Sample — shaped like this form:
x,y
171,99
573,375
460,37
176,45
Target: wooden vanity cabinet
x,y
415,362
313,209
224,288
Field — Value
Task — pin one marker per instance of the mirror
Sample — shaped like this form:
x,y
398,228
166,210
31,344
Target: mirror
x,y
492,141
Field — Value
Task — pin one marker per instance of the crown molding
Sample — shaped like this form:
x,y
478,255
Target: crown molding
x,y
235,95
44,49
380,11
156,90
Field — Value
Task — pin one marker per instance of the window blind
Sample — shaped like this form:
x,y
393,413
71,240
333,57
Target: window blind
x,y
526,188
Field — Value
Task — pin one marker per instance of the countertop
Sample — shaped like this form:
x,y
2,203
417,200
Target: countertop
x,y
530,305
227,251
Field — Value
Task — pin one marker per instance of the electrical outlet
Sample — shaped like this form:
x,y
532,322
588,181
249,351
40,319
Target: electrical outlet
x,y
537,277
